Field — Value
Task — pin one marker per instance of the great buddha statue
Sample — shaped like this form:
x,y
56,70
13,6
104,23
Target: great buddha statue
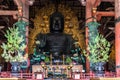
x,y
56,42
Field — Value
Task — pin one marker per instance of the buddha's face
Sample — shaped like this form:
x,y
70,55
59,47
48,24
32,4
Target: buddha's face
x,y
57,24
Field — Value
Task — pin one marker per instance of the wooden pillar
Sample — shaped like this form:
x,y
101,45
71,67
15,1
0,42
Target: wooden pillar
x,y
23,11
25,6
117,35
25,16
88,15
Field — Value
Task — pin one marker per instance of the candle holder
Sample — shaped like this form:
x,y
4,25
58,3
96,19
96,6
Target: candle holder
x,y
44,68
70,70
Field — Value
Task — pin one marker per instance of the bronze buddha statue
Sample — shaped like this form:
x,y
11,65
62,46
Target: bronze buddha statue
x,y
56,42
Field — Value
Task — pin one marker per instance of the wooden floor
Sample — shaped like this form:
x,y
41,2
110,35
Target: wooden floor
x,y
56,79
11,79
64,79
105,78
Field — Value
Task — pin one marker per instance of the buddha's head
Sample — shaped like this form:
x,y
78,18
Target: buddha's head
x,y
56,22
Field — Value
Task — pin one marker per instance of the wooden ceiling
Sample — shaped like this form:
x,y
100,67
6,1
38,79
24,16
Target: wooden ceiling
x,y
107,22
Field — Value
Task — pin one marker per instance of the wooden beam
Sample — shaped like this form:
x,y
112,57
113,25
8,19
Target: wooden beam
x,y
18,3
111,13
97,3
7,12
100,14
107,0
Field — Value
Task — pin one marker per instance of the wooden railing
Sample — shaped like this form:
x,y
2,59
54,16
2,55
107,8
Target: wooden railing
x,y
79,76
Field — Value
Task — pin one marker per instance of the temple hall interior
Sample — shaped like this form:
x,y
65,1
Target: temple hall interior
x,y
59,39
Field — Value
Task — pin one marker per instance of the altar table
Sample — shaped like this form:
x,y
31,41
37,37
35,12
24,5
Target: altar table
x,y
57,69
